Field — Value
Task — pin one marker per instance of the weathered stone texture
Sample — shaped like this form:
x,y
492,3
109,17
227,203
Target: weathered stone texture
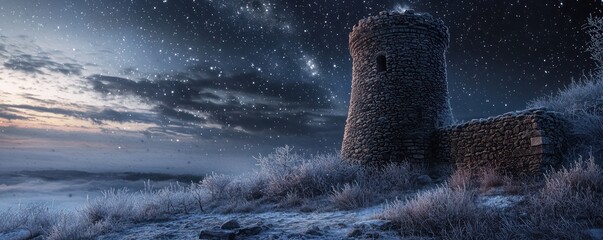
x,y
399,106
393,113
524,142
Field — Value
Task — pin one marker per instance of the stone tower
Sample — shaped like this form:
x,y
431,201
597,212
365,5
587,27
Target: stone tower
x,y
399,89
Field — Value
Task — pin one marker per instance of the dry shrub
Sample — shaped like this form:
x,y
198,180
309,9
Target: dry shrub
x,y
217,185
394,176
444,213
291,200
350,196
572,193
436,212
287,171
462,179
582,175
490,178
35,218
484,178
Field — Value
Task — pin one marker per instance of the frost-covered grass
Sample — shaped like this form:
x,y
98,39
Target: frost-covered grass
x,y
284,180
351,196
573,193
434,212
115,208
565,202
289,179
568,202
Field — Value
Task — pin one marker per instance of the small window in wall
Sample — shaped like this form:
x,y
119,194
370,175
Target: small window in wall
x,y
381,63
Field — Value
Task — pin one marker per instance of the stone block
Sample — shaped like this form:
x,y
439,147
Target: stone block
x,y
537,141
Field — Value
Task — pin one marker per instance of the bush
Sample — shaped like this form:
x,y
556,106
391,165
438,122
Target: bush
x,y
573,193
484,178
462,179
435,212
443,213
392,177
568,202
124,206
350,196
217,185
70,226
287,172
36,219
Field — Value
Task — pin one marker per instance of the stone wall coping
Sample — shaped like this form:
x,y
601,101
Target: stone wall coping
x,y
540,111
385,18
397,15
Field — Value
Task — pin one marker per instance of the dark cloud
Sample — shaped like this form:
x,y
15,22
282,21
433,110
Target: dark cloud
x,y
37,64
10,116
117,116
243,103
96,117
59,111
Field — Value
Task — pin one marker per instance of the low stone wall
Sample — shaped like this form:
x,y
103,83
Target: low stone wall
x,y
517,143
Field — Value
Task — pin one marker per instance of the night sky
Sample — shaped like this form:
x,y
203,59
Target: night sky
x,y
175,84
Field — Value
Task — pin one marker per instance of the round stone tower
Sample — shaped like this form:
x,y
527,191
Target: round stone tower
x,y
399,89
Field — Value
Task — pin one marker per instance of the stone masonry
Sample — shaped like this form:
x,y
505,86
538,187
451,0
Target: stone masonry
x,y
399,106
523,142
399,91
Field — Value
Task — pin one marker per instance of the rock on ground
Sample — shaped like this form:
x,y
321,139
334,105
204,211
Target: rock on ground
x,y
267,225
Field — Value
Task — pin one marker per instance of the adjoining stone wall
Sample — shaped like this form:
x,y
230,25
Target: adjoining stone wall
x,y
525,142
394,112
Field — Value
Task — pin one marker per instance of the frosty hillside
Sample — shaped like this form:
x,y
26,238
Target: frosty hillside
x,y
405,170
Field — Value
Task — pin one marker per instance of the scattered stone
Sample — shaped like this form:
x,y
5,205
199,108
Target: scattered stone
x,y
424,180
230,224
355,232
372,235
217,234
314,230
250,231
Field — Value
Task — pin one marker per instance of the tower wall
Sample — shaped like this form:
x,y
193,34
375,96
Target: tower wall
x,y
399,89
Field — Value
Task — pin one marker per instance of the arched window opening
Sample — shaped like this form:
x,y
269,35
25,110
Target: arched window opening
x,y
381,63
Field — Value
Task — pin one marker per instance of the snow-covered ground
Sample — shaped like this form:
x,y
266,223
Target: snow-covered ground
x,y
274,225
